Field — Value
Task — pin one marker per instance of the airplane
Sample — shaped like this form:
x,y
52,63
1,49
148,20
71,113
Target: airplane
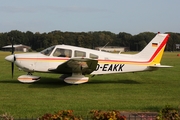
x,y
74,63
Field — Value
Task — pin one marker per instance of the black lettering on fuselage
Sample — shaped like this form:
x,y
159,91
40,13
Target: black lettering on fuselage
x,y
110,67
115,67
97,67
105,67
120,67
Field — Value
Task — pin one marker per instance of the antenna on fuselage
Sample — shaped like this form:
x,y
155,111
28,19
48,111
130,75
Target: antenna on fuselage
x,y
104,46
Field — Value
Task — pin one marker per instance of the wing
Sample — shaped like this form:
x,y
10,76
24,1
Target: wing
x,y
76,65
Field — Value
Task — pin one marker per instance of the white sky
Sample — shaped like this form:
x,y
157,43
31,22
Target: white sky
x,y
116,16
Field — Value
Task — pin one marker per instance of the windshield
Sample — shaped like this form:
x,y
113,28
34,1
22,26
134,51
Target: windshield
x,y
48,51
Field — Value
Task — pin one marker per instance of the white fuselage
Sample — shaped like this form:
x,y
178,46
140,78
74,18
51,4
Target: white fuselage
x,y
60,58
107,62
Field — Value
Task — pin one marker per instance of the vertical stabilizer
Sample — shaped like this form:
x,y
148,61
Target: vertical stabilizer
x,y
153,52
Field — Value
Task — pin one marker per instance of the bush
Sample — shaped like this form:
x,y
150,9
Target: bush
x,y
106,115
168,113
60,115
6,116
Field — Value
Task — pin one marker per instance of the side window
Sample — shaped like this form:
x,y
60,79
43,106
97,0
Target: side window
x,y
79,54
93,56
59,52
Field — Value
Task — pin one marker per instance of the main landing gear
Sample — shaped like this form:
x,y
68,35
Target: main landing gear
x,y
76,78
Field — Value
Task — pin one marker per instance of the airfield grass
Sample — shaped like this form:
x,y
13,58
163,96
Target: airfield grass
x,y
143,91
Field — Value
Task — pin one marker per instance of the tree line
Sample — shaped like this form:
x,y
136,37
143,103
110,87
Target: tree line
x,y
38,41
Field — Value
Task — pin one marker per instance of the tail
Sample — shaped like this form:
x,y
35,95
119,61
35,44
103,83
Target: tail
x,y
153,52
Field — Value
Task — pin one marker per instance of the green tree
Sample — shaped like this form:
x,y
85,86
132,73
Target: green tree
x,y
123,39
17,36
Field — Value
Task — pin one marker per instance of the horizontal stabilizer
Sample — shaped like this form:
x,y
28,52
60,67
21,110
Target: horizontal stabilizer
x,y
160,66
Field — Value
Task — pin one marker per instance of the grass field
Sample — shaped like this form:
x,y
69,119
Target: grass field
x,y
144,91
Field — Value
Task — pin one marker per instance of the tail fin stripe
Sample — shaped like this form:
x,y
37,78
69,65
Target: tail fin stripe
x,y
159,49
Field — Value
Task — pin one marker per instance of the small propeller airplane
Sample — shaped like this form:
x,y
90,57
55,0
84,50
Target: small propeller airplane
x,y
76,62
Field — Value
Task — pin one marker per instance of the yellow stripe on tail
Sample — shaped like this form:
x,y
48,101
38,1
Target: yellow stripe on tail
x,y
158,58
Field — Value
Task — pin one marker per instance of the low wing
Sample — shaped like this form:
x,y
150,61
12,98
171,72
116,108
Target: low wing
x,y
76,65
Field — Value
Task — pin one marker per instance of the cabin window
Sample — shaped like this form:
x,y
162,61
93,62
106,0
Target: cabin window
x,y
93,56
47,51
79,54
59,52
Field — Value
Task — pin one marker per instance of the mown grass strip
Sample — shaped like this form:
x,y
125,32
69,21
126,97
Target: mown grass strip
x,y
143,91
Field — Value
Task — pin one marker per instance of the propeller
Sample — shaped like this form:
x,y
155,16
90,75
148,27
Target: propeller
x,y
12,52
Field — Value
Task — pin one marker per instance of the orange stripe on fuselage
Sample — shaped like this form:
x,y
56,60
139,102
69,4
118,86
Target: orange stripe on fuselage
x,y
44,59
63,60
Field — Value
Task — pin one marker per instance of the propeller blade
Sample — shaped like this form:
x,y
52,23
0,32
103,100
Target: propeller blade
x,y
12,49
12,52
14,58
12,69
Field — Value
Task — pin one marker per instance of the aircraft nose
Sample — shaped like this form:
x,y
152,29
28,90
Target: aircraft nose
x,y
10,58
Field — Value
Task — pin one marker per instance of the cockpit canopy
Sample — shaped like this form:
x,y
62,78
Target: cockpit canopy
x,y
48,51
57,51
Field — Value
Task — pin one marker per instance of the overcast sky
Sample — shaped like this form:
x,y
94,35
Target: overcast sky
x,y
131,16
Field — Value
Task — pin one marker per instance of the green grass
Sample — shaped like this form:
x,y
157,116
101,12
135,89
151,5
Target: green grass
x,y
143,91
